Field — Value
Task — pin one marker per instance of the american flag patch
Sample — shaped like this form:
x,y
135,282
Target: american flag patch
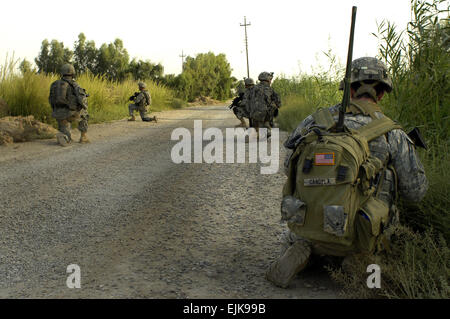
x,y
324,159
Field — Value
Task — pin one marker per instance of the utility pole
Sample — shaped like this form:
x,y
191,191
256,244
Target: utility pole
x,y
246,42
182,56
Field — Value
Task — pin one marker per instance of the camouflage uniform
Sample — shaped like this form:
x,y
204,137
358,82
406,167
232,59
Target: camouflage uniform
x,y
141,101
69,103
395,146
404,174
238,106
269,97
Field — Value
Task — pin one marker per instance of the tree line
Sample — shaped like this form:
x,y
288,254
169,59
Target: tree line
x,y
206,74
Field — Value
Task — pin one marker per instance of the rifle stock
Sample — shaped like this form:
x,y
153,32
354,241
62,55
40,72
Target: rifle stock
x,y
346,96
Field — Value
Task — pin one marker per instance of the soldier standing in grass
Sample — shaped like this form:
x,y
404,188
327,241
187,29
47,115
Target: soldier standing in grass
x,y
401,174
142,100
69,103
238,107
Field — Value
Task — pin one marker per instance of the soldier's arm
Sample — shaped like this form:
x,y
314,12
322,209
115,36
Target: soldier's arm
x,y
139,98
245,97
294,137
412,182
277,99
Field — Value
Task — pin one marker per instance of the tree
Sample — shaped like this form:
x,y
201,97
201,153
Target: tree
x,y
142,70
25,67
42,60
113,60
206,75
51,60
85,55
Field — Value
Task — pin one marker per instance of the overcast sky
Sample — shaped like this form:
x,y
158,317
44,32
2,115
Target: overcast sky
x,y
284,36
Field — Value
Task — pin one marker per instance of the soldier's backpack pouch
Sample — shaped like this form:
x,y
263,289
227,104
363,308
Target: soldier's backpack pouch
x,y
370,220
58,94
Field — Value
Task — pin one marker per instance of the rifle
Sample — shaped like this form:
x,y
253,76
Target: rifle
x,y
417,138
81,98
133,96
235,102
348,70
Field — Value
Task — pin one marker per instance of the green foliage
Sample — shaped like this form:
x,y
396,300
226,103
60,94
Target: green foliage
x,y
205,75
143,70
420,67
178,103
418,266
27,94
85,55
113,60
110,60
25,66
52,56
303,94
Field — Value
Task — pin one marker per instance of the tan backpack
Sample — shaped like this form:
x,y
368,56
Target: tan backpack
x,y
330,197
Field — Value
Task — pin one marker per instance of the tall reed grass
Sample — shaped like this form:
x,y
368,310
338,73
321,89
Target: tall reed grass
x,y
27,94
419,63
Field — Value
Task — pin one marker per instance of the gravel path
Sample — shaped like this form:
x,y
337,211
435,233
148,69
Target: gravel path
x,y
138,225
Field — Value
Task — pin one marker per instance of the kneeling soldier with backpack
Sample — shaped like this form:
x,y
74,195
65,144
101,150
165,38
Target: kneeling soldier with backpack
x,y
69,103
343,182
142,100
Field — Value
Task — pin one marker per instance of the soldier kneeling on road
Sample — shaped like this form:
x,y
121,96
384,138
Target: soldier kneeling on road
x,y
69,103
142,100
344,179
237,105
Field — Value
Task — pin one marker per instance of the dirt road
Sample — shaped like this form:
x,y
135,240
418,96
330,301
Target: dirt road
x,y
138,225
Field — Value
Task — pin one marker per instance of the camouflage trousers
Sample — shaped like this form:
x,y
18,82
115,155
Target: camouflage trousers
x,y
142,110
65,117
240,112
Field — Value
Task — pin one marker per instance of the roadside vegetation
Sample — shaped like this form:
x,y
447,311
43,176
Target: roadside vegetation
x,y
419,62
27,94
110,78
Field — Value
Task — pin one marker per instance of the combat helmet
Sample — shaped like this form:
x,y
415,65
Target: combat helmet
x,y
265,76
142,85
249,81
67,69
369,69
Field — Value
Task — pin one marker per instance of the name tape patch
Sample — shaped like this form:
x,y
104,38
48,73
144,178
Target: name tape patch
x,y
324,159
319,181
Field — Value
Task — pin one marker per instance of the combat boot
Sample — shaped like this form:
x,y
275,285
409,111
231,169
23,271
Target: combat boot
x,y
132,119
149,119
84,138
294,260
242,124
62,139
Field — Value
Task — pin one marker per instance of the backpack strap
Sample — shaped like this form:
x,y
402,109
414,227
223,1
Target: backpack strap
x,y
323,118
365,108
147,97
377,127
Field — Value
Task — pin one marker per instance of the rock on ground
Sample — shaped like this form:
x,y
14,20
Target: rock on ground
x,y
23,129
